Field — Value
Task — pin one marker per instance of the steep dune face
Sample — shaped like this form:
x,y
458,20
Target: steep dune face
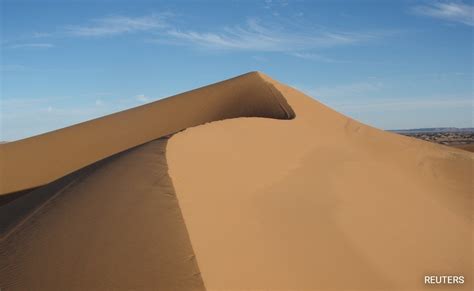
x,y
321,202
41,159
116,227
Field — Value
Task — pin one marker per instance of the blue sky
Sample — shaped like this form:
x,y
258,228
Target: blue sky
x,y
390,64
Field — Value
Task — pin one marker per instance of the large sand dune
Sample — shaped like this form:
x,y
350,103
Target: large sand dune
x,y
314,202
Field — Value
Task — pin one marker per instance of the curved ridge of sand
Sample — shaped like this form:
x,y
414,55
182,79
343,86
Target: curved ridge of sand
x,y
321,202
41,159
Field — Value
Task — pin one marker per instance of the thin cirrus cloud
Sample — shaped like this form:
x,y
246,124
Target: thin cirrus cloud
x,y
117,25
450,11
315,57
31,45
143,98
255,36
250,36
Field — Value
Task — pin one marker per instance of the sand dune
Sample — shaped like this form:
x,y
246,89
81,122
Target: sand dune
x,y
318,202
35,161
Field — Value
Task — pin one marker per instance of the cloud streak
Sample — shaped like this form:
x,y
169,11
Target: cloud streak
x,y
252,35
451,11
255,36
117,25
142,98
31,45
316,57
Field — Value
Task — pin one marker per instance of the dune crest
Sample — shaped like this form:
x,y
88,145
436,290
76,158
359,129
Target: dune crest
x,y
41,159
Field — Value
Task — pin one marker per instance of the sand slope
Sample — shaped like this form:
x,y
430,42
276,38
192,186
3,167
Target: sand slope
x,y
318,202
466,147
321,202
118,227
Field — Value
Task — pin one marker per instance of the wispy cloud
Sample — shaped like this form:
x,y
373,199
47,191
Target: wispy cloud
x,y
315,57
41,34
142,98
31,45
274,6
4,68
451,11
255,36
252,35
116,25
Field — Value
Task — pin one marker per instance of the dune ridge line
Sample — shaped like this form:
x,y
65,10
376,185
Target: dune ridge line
x,y
41,159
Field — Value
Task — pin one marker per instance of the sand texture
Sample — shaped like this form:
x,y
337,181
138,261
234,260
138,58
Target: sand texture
x,y
119,227
466,147
265,189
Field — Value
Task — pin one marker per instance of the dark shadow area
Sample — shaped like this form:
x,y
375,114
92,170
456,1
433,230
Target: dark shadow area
x,y
116,224
15,207
4,199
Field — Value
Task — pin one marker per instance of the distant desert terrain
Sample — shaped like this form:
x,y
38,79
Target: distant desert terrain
x,y
459,138
246,184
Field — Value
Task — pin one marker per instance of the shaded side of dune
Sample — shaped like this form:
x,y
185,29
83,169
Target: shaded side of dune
x,y
39,160
115,225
